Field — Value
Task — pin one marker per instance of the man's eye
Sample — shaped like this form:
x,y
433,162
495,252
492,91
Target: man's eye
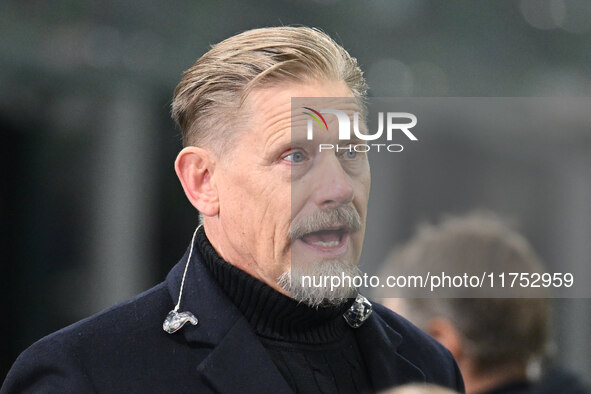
x,y
295,157
350,154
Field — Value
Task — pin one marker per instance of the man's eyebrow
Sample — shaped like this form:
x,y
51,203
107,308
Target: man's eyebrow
x,y
300,141
285,142
353,140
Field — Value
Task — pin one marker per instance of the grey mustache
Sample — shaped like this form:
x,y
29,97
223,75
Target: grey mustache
x,y
345,216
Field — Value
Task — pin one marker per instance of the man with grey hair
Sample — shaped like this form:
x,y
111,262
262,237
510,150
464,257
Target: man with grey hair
x,y
493,338
267,198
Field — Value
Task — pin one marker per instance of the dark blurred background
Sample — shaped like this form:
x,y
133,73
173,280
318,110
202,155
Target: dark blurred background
x,y
91,209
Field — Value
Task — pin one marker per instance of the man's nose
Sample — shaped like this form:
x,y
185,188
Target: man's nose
x,y
333,185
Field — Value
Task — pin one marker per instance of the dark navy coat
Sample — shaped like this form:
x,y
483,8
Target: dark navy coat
x,y
125,350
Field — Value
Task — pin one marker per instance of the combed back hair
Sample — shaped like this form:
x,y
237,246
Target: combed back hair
x,y
496,331
207,102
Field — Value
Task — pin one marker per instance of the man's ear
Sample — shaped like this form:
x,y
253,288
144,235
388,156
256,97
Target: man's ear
x,y
446,333
194,166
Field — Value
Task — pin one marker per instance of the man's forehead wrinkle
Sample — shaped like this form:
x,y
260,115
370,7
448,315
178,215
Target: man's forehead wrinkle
x,y
275,138
299,121
277,119
276,128
270,112
273,110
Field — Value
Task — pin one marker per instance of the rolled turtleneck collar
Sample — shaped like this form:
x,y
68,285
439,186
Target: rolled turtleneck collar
x,y
270,313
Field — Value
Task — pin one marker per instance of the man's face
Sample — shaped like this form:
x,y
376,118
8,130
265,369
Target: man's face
x,y
275,179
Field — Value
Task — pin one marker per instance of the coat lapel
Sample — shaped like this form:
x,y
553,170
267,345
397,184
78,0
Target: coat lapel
x,y
240,364
378,344
238,361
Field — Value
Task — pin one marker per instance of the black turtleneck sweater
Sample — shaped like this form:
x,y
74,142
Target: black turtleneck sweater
x,y
313,348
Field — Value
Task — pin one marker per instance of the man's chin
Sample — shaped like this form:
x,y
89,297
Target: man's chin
x,y
312,283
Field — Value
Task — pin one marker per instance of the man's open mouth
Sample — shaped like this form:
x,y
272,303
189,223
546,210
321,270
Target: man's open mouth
x,y
329,238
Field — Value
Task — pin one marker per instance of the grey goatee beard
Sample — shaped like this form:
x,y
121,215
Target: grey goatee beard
x,y
292,282
313,295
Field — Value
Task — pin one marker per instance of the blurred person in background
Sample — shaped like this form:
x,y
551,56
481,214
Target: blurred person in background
x,y
243,321
499,343
416,388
